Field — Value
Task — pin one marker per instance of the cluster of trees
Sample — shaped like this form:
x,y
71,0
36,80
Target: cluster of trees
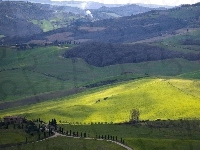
x,y
32,127
105,54
53,123
85,135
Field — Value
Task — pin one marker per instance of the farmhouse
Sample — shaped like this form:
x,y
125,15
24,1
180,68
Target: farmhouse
x,y
13,119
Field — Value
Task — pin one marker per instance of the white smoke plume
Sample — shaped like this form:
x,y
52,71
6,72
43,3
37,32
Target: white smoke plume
x,y
88,13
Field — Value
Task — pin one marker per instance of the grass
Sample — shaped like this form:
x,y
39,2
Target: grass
x,y
14,136
40,70
18,84
44,24
142,137
134,131
57,21
155,98
191,75
175,43
194,34
163,144
63,143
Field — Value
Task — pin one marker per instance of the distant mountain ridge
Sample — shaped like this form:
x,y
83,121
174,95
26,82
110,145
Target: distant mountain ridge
x,y
90,4
126,10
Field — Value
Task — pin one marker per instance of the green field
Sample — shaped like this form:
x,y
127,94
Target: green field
x,y
98,100
63,143
155,98
13,136
175,43
44,24
40,70
143,137
191,75
58,21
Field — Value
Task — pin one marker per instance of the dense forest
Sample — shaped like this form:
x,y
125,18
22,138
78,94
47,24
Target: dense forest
x,y
104,54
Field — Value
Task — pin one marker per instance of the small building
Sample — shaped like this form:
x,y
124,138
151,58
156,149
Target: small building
x,y
14,119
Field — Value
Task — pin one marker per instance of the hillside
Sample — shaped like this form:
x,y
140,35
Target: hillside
x,y
90,75
121,11
43,69
143,26
25,19
156,23
155,98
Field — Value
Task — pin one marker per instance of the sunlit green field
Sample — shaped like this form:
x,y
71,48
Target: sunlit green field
x,y
155,98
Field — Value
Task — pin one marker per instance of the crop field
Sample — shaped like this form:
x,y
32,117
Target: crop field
x,y
155,98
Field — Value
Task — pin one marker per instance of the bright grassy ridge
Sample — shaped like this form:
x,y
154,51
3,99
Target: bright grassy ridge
x,y
155,98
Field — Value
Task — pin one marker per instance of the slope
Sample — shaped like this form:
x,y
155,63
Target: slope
x,y
20,18
155,98
43,69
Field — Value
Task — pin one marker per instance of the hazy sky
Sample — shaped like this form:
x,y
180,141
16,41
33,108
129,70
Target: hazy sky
x,y
159,2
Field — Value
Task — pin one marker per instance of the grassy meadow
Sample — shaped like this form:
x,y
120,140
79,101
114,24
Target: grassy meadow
x,y
175,43
40,70
143,137
14,136
166,89
63,143
156,98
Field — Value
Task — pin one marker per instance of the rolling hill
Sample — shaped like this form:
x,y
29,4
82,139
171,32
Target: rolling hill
x,y
155,23
155,98
31,72
20,18
148,62
121,11
28,73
